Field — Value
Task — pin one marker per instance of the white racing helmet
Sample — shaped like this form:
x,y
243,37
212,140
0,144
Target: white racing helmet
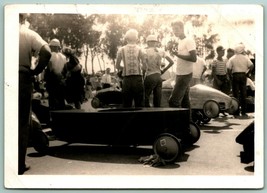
x,y
54,42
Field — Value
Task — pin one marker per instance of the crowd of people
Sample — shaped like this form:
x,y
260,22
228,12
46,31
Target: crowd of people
x,y
139,71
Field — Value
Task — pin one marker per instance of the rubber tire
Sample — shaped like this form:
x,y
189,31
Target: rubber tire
x,y
211,109
194,133
167,147
95,102
40,142
233,107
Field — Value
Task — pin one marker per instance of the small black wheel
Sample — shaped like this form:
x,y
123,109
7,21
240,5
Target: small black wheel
x,y
167,147
233,107
194,133
211,109
95,102
40,142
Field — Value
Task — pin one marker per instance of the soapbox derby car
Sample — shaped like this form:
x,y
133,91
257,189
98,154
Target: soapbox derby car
x,y
167,130
206,102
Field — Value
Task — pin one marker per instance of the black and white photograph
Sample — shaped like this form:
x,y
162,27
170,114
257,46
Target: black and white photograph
x,y
133,96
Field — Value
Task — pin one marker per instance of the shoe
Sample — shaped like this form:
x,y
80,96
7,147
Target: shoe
x,y
24,169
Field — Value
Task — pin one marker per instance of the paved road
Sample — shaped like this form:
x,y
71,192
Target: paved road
x,y
215,154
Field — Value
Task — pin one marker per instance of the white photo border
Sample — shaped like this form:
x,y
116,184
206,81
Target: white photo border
x,y
12,180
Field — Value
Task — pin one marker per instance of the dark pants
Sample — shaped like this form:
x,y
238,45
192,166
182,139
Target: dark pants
x,y
153,83
56,92
223,84
180,93
133,90
239,87
25,97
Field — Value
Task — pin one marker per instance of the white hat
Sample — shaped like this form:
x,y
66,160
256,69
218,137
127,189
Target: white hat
x,y
131,35
240,48
151,38
54,42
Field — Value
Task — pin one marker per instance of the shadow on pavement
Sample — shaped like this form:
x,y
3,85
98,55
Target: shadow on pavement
x,y
95,153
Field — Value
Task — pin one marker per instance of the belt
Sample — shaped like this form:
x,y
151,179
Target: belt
x,y
239,73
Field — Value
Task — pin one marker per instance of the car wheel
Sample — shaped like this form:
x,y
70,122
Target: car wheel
x,y
211,109
233,107
40,142
167,147
194,133
95,102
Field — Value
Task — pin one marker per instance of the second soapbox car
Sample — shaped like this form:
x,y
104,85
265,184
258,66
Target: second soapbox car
x,y
206,102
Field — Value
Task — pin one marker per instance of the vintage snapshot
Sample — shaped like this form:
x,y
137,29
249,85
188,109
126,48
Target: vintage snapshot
x,y
133,96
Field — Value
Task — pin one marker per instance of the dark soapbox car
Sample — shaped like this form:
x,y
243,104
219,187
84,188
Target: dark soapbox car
x,y
167,130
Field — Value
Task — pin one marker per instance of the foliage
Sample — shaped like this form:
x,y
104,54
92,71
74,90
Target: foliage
x,y
95,35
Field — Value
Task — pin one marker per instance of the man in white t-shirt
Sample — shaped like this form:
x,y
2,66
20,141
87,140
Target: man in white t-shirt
x,y
106,79
198,69
186,57
54,78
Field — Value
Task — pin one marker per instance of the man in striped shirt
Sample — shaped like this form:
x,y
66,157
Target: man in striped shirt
x,y
219,72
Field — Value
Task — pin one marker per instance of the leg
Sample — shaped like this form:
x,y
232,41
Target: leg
x,y
179,90
25,97
148,83
138,88
157,92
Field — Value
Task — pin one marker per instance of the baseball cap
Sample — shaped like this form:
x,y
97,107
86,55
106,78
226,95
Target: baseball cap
x,y
151,38
219,48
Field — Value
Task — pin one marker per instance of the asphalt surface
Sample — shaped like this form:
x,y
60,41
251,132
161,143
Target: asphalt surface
x,y
216,153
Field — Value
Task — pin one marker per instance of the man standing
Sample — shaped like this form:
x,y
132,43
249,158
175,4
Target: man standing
x,y
54,77
29,42
219,72
198,70
186,57
133,59
239,66
106,79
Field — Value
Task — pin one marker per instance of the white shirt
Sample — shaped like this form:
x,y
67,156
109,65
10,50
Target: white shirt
x,y
198,67
185,67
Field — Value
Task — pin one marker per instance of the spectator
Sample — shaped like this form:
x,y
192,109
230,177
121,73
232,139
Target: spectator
x,y
230,53
152,82
29,41
239,66
219,72
132,71
106,79
207,75
198,70
186,57
75,83
54,78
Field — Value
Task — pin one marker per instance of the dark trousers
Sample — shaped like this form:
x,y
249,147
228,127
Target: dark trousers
x,y
153,83
239,88
56,92
133,90
180,93
25,97
223,84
